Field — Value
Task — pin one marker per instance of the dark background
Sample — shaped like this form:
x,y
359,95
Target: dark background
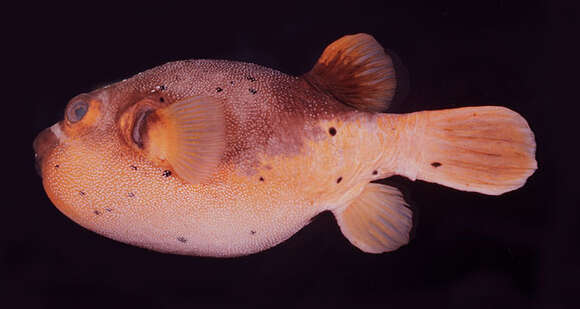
x,y
517,250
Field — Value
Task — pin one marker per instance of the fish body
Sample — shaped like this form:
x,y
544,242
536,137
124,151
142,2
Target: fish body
x,y
222,158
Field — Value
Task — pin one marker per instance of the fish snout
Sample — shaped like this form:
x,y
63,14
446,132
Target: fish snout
x,y
43,145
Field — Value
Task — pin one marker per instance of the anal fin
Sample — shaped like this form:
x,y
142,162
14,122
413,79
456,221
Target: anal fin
x,y
379,220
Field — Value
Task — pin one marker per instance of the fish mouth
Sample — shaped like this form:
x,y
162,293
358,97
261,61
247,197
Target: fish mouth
x,y
43,144
37,165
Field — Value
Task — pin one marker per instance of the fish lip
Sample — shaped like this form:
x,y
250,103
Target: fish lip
x,y
37,165
43,144
37,158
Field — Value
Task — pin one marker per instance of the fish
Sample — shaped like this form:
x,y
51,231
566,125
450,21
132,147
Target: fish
x,y
222,158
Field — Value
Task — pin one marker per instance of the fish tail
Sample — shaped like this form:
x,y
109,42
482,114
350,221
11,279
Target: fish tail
x,y
487,149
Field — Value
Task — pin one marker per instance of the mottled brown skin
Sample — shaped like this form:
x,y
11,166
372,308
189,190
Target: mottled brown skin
x,y
292,152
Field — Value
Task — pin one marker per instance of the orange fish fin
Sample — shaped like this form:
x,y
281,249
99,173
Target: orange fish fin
x,y
357,72
377,221
189,135
487,149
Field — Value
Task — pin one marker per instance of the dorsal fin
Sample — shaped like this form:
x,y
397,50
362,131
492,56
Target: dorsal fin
x,y
357,72
189,135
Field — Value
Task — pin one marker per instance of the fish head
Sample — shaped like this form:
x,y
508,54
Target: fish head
x,y
81,157
86,123
87,128
113,161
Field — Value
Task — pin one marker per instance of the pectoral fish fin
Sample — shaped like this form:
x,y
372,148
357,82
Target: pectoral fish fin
x,y
379,220
189,135
356,71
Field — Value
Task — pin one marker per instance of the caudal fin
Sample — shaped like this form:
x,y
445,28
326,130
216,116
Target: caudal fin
x,y
488,149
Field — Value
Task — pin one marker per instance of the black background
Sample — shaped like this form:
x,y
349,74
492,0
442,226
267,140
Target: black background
x,y
517,250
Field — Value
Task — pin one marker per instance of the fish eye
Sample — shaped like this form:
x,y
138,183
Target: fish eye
x,y
77,111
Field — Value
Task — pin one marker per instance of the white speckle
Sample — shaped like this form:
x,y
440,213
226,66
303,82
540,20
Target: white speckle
x,y
58,132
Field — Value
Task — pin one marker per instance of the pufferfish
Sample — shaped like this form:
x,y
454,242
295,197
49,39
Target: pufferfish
x,y
223,158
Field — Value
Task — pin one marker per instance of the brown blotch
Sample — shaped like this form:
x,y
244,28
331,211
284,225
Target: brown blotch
x,y
261,178
375,172
182,239
339,179
218,89
332,131
134,167
436,164
166,173
108,209
252,232
253,91
131,194
82,193
96,212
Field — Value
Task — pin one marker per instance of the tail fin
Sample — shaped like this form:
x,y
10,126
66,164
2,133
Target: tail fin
x,y
488,149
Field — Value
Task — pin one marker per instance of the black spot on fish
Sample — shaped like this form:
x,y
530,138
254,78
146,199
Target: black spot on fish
x,y
133,167
162,87
332,131
82,193
375,172
166,173
182,239
96,212
131,194
232,82
57,166
252,232
161,99
261,178
436,164
253,91
218,89
250,78
108,209
339,179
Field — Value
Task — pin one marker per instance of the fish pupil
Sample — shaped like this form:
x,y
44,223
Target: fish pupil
x,y
80,112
